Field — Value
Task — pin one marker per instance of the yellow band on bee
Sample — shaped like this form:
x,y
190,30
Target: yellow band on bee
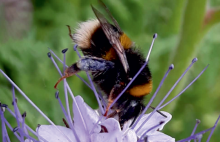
x,y
125,41
110,55
141,90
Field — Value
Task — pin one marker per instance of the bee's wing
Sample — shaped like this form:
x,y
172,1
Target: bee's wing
x,y
113,37
110,15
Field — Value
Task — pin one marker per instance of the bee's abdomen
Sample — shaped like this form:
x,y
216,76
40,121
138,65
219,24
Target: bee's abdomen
x,y
143,84
141,90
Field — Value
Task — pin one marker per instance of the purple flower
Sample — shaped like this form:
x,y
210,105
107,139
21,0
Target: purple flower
x,y
154,134
88,125
111,125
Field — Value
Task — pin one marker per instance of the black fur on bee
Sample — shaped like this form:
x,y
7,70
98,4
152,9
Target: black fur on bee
x,y
112,59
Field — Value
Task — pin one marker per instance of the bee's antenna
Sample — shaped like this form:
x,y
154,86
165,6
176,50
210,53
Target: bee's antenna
x,y
152,43
71,36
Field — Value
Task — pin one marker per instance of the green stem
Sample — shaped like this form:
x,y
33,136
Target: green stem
x,y
186,49
175,21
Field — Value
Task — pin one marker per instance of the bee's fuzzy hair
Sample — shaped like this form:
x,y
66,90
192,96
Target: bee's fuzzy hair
x,y
84,32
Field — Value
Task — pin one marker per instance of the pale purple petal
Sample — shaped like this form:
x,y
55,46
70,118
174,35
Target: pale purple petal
x,y
114,136
49,133
159,137
90,119
127,125
27,140
114,132
111,125
88,113
130,136
154,120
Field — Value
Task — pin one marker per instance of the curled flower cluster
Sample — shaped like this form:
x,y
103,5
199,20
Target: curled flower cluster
x,y
90,125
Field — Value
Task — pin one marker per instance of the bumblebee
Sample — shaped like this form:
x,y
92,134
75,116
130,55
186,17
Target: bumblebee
x,y
113,60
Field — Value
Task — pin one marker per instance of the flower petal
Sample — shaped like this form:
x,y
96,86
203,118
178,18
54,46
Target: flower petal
x,y
154,120
90,118
111,125
27,140
130,136
127,125
160,137
51,134
114,136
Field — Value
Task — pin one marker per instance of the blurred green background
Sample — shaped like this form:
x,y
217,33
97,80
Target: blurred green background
x,y
186,29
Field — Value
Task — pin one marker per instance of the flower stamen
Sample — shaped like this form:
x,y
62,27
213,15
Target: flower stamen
x,y
67,66
154,95
147,60
158,112
37,130
66,115
145,133
66,123
65,89
25,96
4,121
92,84
193,61
202,132
185,88
195,127
4,131
210,135
12,113
71,94
17,113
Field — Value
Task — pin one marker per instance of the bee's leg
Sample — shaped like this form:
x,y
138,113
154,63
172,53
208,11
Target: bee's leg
x,y
114,92
90,64
110,101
